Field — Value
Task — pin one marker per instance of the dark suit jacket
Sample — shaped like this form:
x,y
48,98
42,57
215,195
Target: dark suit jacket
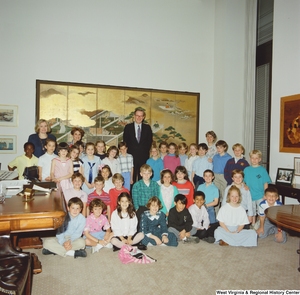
x,y
139,150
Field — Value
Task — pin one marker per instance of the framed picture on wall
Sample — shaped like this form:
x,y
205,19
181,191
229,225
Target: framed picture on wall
x,y
103,111
8,115
297,166
8,144
290,124
284,176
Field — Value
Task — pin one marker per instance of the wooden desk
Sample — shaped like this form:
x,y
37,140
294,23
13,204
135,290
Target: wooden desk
x,y
44,212
287,191
286,216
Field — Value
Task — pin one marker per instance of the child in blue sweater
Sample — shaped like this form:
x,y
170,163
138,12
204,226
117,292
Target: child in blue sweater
x,y
68,240
219,163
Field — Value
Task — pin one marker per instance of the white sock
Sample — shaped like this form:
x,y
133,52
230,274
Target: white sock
x,y
98,247
70,253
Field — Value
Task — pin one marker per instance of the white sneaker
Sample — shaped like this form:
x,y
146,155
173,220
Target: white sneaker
x,y
109,246
96,248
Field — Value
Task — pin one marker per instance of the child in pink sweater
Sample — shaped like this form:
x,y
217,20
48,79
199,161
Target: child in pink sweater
x,y
171,160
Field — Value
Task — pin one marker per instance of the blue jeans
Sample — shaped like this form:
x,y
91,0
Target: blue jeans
x,y
271,229
212,215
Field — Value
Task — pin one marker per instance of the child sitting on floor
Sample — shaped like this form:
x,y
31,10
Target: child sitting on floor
x,y
153,225
124,224
200,218
267,228
68,240
232,217
97,228
180,221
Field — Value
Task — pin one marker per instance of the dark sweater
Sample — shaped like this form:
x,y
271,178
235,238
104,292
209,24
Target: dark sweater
x,y
180,220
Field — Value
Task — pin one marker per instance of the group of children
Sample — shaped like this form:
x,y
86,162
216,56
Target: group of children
x,y
176,199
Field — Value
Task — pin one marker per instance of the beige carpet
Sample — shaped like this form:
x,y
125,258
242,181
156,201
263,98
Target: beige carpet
x,y
188,269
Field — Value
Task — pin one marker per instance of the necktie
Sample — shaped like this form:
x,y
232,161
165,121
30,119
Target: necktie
x,y
139,133
91,172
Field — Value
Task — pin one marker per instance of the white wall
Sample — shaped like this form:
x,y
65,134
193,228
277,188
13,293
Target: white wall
x,y
229,71
286,74
195,45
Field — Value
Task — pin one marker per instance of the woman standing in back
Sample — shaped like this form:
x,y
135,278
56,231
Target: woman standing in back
x,y
42,132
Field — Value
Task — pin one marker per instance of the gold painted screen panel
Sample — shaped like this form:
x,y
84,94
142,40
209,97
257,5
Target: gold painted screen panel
x,y
103,111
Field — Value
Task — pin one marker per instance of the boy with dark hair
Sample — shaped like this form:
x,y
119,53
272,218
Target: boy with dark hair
x,y
219,163
200,165
68,240
163,149
212,194
99,193
180,221
267,228
205,230
26,160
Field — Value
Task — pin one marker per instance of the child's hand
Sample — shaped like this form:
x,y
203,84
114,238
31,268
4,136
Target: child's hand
x,y
182,235
129,241
209,160
246,187
165,239
279,236
48,178
108,236
157,240
67,245
260,231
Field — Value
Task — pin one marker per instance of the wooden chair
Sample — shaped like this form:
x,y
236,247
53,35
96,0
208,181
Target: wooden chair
x,y
15,269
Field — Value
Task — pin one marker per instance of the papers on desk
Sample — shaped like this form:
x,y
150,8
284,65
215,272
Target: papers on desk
x,y
41,189
13,187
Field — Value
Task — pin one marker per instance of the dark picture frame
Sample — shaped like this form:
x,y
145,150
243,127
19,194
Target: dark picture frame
x,y
102,111
290,124
285,176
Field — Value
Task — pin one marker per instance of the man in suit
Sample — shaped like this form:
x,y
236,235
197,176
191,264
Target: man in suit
x,y
138,137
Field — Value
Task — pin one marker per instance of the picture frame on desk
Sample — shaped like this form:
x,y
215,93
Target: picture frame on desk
x,y
285,176
297,166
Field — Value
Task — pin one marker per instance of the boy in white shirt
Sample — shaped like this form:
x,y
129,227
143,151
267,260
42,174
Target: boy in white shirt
x,y
267,228
201,219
